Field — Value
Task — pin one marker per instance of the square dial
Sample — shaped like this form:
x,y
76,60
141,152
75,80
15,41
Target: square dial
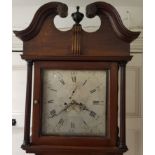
x,y
74,102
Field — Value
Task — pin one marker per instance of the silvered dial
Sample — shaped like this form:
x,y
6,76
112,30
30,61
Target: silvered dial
x,y
74,102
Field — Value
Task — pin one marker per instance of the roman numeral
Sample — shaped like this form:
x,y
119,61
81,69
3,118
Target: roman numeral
x,y
73,76
85,123
53,90
72,125
53,113
92,91
92,114
62,81
97,102
84,82
51,101
61,122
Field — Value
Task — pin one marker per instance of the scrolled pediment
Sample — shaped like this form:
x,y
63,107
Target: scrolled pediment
x,y
103,9
53,9
41,38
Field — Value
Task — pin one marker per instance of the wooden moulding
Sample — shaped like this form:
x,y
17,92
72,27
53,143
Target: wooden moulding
x,y
79,58
101,9
72,150
54,8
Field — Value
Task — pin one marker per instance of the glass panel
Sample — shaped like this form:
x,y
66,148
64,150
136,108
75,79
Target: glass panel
x,y
74,102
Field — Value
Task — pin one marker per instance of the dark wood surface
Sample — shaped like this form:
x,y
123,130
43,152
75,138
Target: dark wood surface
x,y
51,8
63,150
122,144
75,153
78,58
28,105
47,47
52,42
79,153
42,38
111,137
103,9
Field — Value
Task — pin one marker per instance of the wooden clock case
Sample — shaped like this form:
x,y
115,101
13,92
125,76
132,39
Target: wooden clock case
x,y
108,48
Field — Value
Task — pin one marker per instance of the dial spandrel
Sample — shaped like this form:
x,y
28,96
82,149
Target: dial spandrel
x,y
74,102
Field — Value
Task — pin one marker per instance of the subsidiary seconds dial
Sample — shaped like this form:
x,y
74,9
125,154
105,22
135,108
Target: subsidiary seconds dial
x,y
74,102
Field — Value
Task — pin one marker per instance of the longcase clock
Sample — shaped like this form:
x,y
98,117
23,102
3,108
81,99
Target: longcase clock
x,y
75,83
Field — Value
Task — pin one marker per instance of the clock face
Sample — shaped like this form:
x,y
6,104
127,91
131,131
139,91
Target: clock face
x,y
74,102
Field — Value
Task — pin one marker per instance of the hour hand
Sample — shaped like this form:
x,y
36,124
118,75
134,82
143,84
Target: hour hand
x,y
81,105
53,112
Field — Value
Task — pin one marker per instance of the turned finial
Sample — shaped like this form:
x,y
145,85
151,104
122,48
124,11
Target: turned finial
x,y
77,16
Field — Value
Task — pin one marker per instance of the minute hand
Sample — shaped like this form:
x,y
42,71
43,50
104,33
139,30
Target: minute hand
x,y
84,107
75,89
73,92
